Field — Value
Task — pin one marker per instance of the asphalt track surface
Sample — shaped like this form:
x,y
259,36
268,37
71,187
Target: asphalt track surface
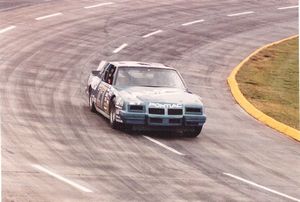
x,y
55,149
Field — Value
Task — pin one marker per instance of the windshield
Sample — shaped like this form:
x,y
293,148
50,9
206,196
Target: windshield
x,y
150,77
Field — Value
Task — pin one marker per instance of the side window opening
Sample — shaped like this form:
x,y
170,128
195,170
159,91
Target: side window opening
x,y
109,74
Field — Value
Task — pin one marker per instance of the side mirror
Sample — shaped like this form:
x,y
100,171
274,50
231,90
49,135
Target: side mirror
x,y
95,72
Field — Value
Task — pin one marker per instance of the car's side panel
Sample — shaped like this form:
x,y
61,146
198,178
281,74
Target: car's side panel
x,y
100,96
106,102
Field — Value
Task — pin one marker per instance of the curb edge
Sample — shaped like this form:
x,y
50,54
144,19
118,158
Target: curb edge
x,y
249,108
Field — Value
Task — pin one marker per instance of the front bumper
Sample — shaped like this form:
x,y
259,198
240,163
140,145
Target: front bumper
x,y
185,120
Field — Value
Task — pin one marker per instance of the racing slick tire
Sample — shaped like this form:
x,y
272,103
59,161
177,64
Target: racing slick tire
x,y
112,115
91,104
194,132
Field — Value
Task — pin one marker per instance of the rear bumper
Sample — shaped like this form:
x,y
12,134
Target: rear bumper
x,y
175,121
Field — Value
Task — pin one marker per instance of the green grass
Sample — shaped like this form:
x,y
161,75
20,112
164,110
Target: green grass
x,y
270,81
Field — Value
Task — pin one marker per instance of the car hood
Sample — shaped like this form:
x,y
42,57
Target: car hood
x,y
159,95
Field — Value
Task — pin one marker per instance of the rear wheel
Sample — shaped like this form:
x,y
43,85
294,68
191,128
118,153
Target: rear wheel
x,y
91,104
193,132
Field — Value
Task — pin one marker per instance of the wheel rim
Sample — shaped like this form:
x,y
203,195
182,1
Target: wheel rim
x,y
112,116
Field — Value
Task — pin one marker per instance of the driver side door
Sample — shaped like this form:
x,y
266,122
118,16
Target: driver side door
x,y
103,98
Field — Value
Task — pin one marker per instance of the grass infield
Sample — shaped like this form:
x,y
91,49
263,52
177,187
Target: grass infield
x,y
270,81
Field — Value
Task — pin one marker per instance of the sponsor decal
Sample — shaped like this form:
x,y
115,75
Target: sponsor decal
x,y
165,105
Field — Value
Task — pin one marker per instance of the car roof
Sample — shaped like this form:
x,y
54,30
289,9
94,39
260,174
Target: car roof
x,y
139,64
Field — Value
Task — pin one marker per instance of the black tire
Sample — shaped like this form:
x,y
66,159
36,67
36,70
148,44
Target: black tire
x,y
91,104
193,132
112,115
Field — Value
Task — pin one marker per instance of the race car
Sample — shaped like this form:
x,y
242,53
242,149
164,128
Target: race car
x,y
144,96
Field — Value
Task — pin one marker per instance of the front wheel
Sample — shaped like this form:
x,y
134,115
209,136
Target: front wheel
x,y
193,132
112,116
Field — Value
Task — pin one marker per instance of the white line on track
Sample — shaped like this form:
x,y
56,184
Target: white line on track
x,y
73,184
192,22
262,187
163,145
99,5
48,16
243,13
120,48
289,7
7,29
152,33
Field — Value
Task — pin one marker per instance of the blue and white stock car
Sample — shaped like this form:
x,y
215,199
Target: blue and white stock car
x,y
145,96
